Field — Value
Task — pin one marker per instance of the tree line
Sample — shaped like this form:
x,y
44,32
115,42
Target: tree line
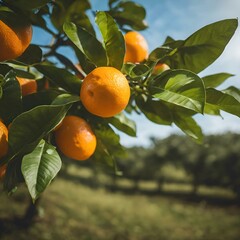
x,y
216,162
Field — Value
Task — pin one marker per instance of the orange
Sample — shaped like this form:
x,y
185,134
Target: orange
x,y
136,47
3,140
75,138
160,67
2,171
105,92
15,37
27,86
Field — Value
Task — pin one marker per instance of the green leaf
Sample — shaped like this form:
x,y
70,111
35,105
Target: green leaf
x,y
84,62
234,92
203,47
10,102
215,80
180,87
26,4
30,127
159,53
40,98
40,167
189,126
223,101
211,110
61,77
65,98
130,13
124,124
113,39
168,40
108,147
136,70
32,55
155,111
4,69
86,43
71,11
24,74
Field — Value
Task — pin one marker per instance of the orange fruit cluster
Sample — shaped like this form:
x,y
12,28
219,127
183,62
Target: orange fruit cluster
x,y
105,92
75,138
136,47
14,39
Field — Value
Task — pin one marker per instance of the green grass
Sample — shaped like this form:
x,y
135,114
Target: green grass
x,y
73,211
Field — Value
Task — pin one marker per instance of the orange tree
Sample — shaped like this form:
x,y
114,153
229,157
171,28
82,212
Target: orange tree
x,y
74,108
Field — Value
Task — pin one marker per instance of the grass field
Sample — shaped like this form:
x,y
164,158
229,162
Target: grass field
x,y
72,211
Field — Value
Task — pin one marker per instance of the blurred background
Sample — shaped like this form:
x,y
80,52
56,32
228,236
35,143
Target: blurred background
x,y
169,187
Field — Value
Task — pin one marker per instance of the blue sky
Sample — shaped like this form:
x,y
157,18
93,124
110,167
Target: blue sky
x,y
179,19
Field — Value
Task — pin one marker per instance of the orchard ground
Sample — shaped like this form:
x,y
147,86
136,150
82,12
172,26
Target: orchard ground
x,y
90,213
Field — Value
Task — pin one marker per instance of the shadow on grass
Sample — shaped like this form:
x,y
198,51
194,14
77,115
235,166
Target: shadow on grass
x,y
220,201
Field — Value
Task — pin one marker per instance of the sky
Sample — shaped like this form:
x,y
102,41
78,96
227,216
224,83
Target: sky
x,y
179,19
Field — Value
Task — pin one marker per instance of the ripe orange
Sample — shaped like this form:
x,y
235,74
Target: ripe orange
x,y
75,138
28,86
105,92
160,67
3,140
136,47
15,37
3,171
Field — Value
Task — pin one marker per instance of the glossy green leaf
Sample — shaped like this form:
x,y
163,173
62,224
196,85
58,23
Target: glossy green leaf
x,y
86,43
32,55
61,77
30,127
71,11
136,70
159,53
189,126
24,74
65,98
204,46
108,147
155,111
40,167
124,124
223,101
179,87
113,39
168,40
131,14
4,69
10,102
84,62
40,98
233,91
215,80
211,109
